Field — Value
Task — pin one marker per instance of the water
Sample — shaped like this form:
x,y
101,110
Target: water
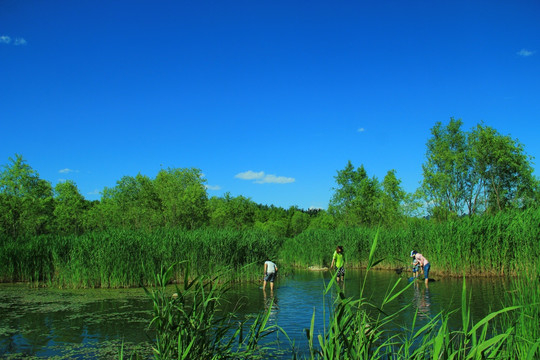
x,y
88,324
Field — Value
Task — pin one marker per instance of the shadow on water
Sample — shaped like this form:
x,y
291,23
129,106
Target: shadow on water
x,y
91,323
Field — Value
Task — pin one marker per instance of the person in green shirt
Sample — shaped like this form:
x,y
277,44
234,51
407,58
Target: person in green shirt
x,y
339,261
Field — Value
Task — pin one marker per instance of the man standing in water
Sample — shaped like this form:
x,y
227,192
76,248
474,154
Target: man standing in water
x,y
339,260
270,270
419,259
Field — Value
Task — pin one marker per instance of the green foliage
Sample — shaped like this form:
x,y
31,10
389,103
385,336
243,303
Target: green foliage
x,y
121,258
69,208
474,172
190,325
26,201
505,243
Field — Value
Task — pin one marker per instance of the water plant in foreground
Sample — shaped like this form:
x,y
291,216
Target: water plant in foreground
x,y
190,325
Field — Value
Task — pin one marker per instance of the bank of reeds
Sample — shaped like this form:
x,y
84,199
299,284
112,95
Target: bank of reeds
x,y
502,244
125,258
356,329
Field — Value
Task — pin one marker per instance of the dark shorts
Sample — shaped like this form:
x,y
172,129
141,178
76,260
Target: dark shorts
x,y
415,268
270,277
341,272
426,271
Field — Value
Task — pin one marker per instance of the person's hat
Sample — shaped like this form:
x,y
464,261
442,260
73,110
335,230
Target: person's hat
x,y
413,253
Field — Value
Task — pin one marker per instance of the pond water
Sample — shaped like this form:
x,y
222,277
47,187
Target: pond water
x,y
90,324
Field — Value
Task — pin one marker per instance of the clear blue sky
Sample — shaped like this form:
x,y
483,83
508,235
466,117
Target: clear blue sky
x,y
285,91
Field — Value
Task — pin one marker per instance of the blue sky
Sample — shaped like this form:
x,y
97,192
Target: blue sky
x,y
268,98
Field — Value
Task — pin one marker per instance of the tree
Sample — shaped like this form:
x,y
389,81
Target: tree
x,y
356,199
69,208
26,202
474,172
392,199
446,171
183,197
504,171
231,212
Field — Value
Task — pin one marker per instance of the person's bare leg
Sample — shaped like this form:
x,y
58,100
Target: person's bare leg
x,y
271,286
264,285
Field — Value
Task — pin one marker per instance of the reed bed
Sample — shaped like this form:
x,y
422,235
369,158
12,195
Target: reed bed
x,y
356,329
502,244
123,258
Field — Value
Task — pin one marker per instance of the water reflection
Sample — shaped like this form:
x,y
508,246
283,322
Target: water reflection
x,y
422,300
271,302
48,323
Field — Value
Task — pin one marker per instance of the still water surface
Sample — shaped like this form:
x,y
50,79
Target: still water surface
x,y
88,324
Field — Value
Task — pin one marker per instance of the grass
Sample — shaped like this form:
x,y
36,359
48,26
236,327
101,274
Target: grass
x,y
190,326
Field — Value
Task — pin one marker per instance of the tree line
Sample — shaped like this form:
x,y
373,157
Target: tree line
x,y
465,173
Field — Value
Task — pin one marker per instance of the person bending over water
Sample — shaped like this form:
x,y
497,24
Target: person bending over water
x,y
338,259
270,270
419,259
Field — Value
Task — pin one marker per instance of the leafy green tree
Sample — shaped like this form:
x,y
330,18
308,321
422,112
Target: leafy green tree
x,y
356,199
26,201
69,208
231,212
504,171
322,220
183,197
132,203
299,222
393,198
477,171
446,170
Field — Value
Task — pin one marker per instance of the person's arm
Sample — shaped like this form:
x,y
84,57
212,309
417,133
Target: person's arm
x,y
265,266
332,265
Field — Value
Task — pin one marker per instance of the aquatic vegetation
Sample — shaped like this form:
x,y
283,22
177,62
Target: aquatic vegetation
x,y
502,244
189,326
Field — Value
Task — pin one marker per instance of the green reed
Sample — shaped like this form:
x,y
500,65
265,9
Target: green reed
x,y
189,325
502,244
121,258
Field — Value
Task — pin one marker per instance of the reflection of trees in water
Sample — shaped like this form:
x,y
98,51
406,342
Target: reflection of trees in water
x,y
422,301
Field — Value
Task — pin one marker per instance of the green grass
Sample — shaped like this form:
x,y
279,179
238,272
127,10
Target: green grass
x,y
503,244
190,326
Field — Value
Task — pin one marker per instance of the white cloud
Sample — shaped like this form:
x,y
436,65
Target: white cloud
x,y
273,179
262,178
95,192
213,187
361,130
4,39
250,175
525,52
67,171
19,42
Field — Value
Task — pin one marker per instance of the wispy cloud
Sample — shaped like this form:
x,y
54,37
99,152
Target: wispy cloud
x,y
5,39
361,129
19,42
67,171
213,187
525,53
262,178
95,192
250,175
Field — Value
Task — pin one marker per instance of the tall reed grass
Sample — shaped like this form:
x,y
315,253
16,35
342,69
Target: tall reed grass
x,y
125,258
356,329
502,244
